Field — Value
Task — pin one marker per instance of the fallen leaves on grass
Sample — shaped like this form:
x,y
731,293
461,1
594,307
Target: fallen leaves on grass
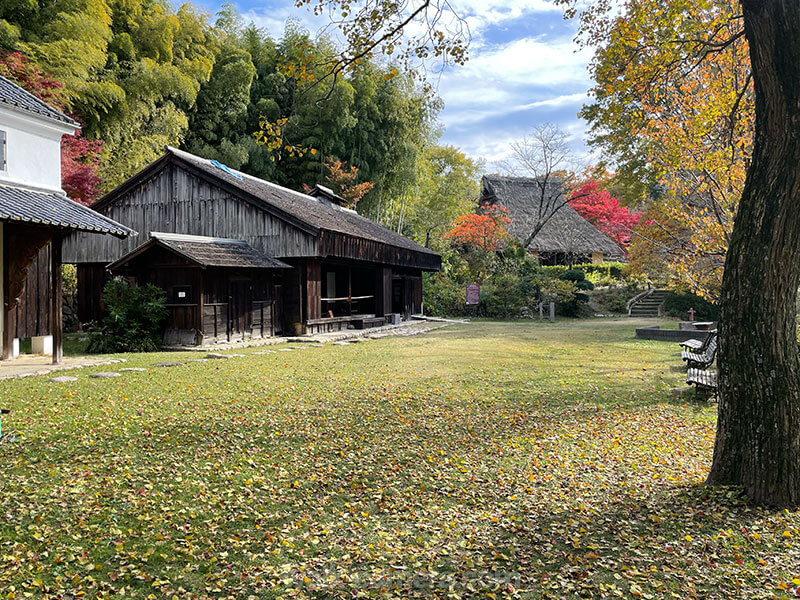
x,y
466,463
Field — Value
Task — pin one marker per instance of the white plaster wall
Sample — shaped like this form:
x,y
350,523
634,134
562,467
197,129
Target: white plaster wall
x,y
33,149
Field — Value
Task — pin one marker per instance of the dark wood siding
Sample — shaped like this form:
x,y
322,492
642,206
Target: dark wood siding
x,y
92,278
344,246
416,295
32,315
383,291
207,304
313,289
293,296
176,201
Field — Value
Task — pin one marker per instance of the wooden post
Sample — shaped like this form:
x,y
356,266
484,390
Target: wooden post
x,y
57,300
8,335
350,290
8,331
201,304
229,326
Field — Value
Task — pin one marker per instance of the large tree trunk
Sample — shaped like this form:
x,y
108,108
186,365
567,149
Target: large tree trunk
x,y
758,432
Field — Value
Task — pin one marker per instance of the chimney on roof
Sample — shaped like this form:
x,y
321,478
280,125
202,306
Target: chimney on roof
x,y
320,192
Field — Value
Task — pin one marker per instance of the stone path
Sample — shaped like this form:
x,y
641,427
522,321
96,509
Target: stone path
x,y
33,366
375,334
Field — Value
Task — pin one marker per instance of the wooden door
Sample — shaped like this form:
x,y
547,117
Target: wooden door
x,y
408,296
241,307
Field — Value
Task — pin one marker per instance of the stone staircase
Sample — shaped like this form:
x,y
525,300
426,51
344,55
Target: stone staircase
x,y
648,306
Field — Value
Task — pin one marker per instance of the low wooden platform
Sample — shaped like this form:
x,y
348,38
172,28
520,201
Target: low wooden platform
x,y
328,324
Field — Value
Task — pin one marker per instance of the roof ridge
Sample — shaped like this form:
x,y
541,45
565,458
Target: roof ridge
x,y
179,152
45,109
325,210
186,237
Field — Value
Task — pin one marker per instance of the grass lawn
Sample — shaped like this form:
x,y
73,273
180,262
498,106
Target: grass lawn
x,y
486,460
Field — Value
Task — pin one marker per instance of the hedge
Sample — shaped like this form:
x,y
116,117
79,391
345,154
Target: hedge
x,y
610,269
678,305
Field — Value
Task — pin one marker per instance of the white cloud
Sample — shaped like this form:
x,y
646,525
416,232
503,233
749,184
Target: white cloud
x,y
273,18
525,61
481,13
460,116
506,89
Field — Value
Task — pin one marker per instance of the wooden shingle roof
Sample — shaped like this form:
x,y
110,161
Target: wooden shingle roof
x,y
207,252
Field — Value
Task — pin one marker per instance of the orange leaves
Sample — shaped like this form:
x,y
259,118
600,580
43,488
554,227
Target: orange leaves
x,y
486,231
674,108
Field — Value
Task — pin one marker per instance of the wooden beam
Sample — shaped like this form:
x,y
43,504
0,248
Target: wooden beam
x,y
57,299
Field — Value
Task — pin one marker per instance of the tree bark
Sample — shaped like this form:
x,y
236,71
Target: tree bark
x,y
758,431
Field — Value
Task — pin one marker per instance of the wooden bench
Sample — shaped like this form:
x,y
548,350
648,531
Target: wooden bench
x,y
701,360
694,345
704,380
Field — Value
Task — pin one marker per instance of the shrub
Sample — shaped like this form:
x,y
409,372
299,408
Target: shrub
x,y
555,270
504,298
613,300
610,271
443,296
573,275
135,319
678,305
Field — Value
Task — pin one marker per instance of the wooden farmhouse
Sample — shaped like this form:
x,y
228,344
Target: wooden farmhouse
x,y
35,213
564,238
241,257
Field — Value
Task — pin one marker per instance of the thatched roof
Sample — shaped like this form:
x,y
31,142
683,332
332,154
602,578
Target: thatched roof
x,y
564,231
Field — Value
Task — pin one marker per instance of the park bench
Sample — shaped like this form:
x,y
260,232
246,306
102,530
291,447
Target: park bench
x,y
701,360
695,345
704,380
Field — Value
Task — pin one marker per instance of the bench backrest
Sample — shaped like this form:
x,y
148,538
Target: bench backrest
x,y
711,349
712,336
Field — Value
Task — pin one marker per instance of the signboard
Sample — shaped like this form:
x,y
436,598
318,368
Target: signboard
x,y
473,293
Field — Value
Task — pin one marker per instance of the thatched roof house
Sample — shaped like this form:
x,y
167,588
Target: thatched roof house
x,y
564,236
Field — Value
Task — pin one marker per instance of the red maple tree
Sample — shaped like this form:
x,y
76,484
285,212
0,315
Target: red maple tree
x,y
601,209
487,230
79,157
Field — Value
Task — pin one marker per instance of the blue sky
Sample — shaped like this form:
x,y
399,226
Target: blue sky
x,y
524,69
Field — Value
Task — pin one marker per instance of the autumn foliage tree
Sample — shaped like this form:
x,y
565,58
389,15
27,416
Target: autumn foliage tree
x,y
601,209
673,108
751,52
343,180
80,157
478,236
486,231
